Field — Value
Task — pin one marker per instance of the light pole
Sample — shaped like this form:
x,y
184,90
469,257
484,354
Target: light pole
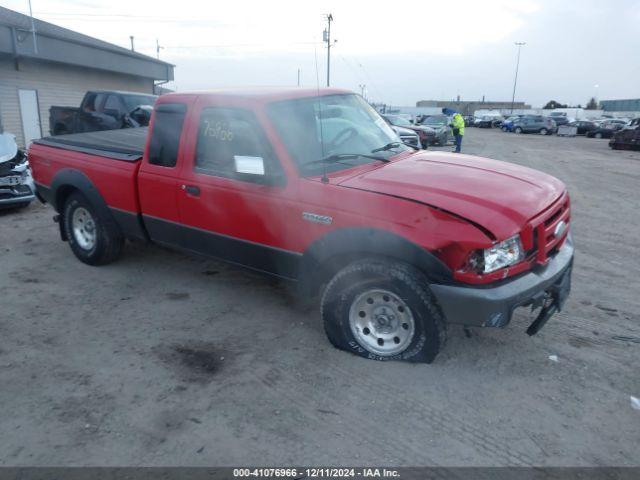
x,y
327,38
515,80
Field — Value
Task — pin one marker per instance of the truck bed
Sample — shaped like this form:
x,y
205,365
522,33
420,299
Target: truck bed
x,y
126,144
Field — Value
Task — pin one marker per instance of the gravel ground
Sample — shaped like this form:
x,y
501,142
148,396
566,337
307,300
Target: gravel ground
x,y
165,359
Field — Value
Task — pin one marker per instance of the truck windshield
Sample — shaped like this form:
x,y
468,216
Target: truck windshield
x,y
332,125
131,102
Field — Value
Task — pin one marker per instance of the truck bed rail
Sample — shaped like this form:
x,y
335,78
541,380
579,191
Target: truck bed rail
x,y
125,144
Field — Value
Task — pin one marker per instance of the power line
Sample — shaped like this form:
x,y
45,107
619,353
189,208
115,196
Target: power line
x,y
234,45
370,79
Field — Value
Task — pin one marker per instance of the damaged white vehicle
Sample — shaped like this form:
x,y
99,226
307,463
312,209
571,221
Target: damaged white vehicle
x,y
16,183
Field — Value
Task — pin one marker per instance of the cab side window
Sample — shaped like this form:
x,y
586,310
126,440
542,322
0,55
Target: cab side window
x,y
165,138
112,106
227,135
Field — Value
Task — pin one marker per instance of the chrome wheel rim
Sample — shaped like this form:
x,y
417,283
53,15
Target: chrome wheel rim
x,y
381,322
84,228
543,131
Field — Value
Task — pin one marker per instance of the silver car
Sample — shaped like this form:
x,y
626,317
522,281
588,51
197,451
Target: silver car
x,y
16,183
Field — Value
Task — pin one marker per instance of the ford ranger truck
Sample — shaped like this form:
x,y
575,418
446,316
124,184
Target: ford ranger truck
x,y
313,186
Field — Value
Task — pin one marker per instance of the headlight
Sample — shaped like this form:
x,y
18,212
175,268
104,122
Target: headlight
x,y
501,255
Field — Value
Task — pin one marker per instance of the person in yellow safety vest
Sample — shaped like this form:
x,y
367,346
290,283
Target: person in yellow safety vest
x,y
457,125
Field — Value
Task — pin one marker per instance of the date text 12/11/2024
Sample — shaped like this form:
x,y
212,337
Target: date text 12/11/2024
x,y
315,473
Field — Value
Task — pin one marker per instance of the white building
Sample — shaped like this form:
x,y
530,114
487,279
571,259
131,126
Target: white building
x,y
59,69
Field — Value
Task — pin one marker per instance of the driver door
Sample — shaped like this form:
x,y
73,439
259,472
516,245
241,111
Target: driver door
x,y
245,218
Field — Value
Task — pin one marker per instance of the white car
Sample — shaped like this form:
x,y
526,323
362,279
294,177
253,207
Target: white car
x,y
16,183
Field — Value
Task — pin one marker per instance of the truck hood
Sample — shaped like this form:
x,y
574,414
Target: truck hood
x,y
499,196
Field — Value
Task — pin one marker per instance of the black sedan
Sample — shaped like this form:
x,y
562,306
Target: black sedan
x,y
582,127
605,130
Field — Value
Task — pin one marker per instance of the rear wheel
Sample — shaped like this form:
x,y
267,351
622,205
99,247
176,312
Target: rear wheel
x,y
598,135
383,310
93,239
544,131
518,130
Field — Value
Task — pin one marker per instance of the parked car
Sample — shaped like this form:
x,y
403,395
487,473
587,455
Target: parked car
x,y
618,121
102,110
560,118
582,127
507,124
408,136
487,121
604,130
17,189
426,135
440,125
535,124
627,138
398,242
483,122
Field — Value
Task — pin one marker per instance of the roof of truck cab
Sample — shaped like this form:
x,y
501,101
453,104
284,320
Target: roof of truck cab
x,y
263,94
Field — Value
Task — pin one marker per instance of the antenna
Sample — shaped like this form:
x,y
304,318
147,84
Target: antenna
x,y
33,30
325,179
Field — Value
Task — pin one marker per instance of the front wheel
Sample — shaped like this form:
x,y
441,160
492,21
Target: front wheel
x,y
598,135
543,131
92,238
518,130
383,310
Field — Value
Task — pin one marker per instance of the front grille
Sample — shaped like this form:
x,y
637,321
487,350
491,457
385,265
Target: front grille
x,y
544,228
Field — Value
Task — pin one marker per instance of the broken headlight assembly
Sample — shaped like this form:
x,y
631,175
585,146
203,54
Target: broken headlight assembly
x,y
500,255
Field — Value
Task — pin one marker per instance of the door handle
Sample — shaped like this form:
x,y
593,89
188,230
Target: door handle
x,y
191,190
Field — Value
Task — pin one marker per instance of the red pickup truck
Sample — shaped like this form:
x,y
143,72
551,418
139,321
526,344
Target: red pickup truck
x,y
314,187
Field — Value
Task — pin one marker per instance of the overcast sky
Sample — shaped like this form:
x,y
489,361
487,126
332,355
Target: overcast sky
x,y
402,51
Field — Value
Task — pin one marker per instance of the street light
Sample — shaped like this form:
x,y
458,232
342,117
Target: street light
x,y
515,81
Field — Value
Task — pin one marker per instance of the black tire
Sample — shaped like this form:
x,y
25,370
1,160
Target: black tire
x,y
108,240
517,130
401,280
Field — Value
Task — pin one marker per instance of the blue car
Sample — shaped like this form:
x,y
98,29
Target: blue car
x,y
507,125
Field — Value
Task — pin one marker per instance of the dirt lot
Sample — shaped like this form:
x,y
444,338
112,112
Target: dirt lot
x,y
164,359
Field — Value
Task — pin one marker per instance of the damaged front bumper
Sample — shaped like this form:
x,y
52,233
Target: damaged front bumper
x,y
545,287
16,184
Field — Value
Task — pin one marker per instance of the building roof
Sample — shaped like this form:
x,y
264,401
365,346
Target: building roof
x,y
55,43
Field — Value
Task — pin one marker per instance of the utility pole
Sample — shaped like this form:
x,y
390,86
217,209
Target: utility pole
x,y
363,89
158,48
298,77
131,38
515,81
327,38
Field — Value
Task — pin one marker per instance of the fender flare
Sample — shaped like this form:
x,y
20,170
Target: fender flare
x,y
77,180
351,243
